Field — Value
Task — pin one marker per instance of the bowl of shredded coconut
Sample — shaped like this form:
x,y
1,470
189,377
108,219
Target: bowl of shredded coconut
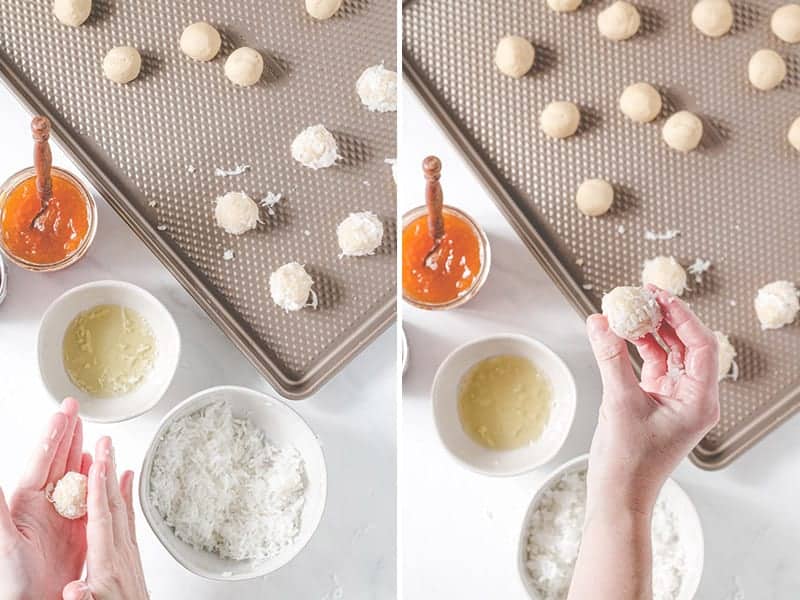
x,y
234,484
552,529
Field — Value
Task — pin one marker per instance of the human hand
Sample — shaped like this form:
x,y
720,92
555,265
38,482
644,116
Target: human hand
x,y
113,563
40,551
645,428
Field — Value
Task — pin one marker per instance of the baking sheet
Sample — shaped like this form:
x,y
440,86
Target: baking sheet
x,y
734,200
151,149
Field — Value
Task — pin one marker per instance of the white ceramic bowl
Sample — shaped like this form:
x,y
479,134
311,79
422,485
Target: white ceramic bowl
x,y
690,529
60,314
283,427
493,462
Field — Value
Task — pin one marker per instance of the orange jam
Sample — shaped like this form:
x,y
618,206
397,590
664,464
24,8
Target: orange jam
x,y
452,273
60,230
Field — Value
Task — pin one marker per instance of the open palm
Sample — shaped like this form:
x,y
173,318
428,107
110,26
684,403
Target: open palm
x,y
40,551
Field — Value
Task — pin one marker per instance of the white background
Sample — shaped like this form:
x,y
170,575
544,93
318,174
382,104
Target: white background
x,y
353,552
460,530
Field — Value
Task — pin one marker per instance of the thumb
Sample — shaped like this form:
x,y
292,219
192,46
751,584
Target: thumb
x,y
7,527
77,590
611,354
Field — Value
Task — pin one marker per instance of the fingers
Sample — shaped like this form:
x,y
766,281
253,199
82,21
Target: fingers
x,y
677,351
119,514
75,454
86,463
77,590
611,353
654,358
701,345
39,468
7,528
59,465
126,487
99,527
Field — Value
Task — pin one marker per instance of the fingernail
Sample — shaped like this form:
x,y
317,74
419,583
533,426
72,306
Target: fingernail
x,y
101,469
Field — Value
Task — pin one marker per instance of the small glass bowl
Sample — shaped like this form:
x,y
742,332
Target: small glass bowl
x,y
18,178
486,260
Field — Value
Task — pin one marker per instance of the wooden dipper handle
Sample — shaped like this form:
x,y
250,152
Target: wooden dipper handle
x,y
432,167
42,158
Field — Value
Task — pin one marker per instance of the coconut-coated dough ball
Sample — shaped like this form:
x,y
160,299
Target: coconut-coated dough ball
x,y
713,18
290,287
640,102
794,134
514,56
632,312
236,213
315,148
69,495
377,88
725,356
360,234
72,12
777,304
666,273
766,69
122,64
785,23
594,197
564,5
200,41
683,131
560,119
244,66
323,9
619,21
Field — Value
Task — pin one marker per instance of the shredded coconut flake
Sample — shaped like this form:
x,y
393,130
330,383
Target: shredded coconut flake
x,y
621,229
161,227
228,255
224,488
190,169
698,268
269,201
237,170
669,234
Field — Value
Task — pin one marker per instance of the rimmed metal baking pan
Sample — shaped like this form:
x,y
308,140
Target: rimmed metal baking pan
x,y
734,200
151,149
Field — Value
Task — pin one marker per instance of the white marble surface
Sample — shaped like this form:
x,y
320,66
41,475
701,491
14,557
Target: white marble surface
x,y
460,530
353,552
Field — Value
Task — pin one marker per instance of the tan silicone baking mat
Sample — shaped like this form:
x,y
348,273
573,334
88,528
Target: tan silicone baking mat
x,y
735,200
151,149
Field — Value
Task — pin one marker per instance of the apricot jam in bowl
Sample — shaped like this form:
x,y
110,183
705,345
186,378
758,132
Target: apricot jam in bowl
x,y
452,275
57,238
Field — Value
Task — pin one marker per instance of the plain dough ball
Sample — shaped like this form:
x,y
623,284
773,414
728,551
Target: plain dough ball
x,y
594,197
766,69
514,56
794,134
122,64
69,495
72,12
619,21
683,131
640,102
777,304
564,5
236,213
244,66
666,273
714,18
725,356
785,23
560,119
315,148
632,312
377,88
200,41
360,234
290,287
323,9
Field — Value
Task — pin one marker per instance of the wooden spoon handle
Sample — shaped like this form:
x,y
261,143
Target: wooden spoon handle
x,y
42,158
432,167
